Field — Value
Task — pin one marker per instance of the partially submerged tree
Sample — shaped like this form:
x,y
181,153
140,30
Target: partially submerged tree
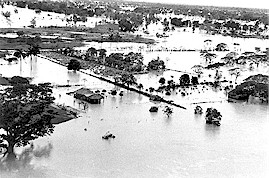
x,y
153,109
221,47
198,110
73,65
21,55
34,50
91,51
184,80
24,116
128,79
171,84
208,56
168,111
156,64
162,81
102,54
151,89
213,116
140,86
194,80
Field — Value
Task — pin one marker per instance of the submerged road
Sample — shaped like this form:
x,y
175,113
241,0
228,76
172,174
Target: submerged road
x,y
114,83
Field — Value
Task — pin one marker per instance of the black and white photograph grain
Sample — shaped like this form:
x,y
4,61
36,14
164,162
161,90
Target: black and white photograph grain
x,y
134,89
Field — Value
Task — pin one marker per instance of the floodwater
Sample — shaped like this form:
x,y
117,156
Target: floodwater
x,y
24,17
146,144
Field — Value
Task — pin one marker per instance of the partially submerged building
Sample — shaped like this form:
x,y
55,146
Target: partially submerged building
x,y
88,95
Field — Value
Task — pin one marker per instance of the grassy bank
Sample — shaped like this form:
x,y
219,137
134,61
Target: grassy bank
x,y
60,37
62,113
19,43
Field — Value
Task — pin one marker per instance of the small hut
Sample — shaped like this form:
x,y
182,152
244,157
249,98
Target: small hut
x,y
95,98
88,95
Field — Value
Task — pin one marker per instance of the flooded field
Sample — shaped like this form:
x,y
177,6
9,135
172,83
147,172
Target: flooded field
x,y
146,145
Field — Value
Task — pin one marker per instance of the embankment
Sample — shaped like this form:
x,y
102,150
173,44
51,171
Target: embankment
x,y
117,84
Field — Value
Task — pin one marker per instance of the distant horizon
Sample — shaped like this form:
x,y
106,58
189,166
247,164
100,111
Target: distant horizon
x,y
259,4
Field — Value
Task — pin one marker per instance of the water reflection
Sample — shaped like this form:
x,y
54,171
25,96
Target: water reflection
x,y
211,130
168,120
153,114
24,159
198,117
73,76
140,97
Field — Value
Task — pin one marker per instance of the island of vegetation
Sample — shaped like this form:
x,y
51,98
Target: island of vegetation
x,y
254,89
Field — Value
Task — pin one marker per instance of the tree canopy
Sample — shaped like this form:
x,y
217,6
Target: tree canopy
x,y
156,64
128,79
126,26
23,115
213,116
131,62
73,65
162,81
168,111
184,79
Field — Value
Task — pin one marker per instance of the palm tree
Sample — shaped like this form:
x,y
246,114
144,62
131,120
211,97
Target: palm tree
x,y
21,55
33,51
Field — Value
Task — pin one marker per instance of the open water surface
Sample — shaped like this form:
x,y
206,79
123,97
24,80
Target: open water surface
x,y
146,145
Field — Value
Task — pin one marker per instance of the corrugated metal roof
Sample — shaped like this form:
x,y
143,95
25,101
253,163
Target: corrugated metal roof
x,y
84,91
96,96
